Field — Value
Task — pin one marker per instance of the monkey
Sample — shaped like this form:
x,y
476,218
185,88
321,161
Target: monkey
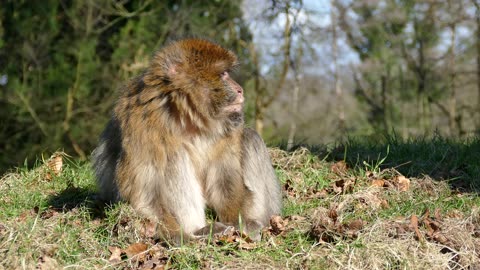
x,y
176,144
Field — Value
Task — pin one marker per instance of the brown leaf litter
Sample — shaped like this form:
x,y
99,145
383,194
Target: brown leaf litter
x,y
139,256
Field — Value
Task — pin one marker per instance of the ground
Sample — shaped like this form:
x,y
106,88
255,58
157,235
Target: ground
x,y
395,205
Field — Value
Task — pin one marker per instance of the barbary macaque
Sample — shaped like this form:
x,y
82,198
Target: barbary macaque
x,y
176,144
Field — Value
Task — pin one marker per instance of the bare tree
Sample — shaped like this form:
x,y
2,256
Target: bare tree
x,y
263,100
338,88
476,3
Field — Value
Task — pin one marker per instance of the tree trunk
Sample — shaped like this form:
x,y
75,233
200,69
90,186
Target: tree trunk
x,y
338,90
293,123
383,83
452,106
477,41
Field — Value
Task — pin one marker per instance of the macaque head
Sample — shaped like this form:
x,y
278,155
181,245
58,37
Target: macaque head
x,y
197,75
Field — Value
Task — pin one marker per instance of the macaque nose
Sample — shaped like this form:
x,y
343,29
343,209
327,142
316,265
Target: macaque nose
x,y
239,90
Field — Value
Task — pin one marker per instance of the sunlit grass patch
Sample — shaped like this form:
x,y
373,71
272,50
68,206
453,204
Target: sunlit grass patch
x,y
360,209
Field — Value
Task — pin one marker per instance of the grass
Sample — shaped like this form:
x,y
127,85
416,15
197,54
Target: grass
x,y
391,204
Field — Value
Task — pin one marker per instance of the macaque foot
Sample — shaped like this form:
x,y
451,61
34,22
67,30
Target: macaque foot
x,y
212,229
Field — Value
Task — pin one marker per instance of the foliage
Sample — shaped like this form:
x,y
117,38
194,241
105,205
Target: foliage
x,y
65,61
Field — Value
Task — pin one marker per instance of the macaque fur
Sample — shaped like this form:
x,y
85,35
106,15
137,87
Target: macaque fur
x,y
176,144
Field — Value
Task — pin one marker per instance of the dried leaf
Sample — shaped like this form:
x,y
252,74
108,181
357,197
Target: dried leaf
x,y
322,224
229,235
27,213
400,230
426,213
157,251
414,227
438,214
49,213
339,167
429,228
47,263
441,238
297,218
378,183
278,224
356,225
148,228
247,246
344,185
402,182
153,264
332,213
136,249
384,204
116,256
54,165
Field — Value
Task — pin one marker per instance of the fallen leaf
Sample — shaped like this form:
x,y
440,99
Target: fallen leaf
x,y
289,188
332,213
296,218
323,226
54,165
136,249
155,264
414,227
402,182
25,214
378,183
344,185
352,228
356,225
339,167
426,213
47,263
400,230
148,228
49,213
227,236
116,256
438,214
384,204
278,224
247,246
3,229
432,226
441,238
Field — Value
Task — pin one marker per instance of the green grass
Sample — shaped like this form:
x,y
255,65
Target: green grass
x,y
440,158
57,223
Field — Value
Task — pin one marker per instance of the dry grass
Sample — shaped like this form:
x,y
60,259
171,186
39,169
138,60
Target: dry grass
x,y
335,217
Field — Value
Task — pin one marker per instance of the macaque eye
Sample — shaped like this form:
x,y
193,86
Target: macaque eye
x,y
217,90
224,74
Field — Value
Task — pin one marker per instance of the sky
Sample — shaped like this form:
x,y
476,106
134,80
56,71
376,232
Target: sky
x,y
266,36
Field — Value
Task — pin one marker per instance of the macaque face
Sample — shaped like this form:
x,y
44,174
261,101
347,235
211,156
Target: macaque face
x,y
237,99
227,99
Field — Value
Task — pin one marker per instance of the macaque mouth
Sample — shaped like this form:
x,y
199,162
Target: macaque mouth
x,y
236,107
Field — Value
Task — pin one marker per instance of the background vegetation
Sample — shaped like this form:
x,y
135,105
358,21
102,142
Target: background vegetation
x,y
313,71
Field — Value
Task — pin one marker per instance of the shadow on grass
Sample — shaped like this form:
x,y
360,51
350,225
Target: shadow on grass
x,y
74,197
454,161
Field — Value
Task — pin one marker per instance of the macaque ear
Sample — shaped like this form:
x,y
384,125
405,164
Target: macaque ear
x,y
221,66
172,70
161,74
